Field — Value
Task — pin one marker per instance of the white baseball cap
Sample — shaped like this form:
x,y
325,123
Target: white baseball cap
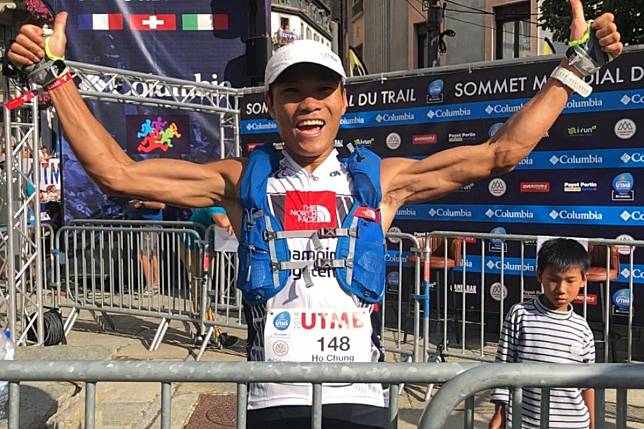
x,y
301,51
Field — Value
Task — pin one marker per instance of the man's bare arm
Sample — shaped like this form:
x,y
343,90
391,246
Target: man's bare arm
x,y
175,182
409,181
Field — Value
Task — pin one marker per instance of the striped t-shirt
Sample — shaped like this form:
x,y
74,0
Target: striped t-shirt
x,y
533,333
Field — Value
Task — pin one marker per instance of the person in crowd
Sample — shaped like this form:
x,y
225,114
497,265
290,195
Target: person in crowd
x,y
546,329
310,224
149,245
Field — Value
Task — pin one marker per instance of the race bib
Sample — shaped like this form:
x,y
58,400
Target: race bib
x,y
317,335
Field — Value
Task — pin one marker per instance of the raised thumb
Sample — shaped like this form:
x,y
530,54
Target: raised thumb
x,y
577,9
60,23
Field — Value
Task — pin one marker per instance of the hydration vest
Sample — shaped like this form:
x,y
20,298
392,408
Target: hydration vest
x,y
264,256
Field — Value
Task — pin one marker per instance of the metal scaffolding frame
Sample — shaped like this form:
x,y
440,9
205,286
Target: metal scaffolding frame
x,y
20,242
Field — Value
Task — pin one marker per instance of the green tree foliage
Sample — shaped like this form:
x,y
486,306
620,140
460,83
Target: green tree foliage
x,y
629,16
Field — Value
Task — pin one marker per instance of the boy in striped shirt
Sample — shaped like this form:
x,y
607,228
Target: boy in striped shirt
x,y
546,329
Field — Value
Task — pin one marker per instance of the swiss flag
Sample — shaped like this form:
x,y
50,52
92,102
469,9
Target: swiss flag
x,y
164,22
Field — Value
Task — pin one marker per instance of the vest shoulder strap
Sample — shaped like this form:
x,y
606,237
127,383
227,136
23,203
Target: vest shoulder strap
x,y
364,167
261,163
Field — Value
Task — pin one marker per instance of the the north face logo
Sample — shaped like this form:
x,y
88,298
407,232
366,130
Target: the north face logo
x,y
312,214
309,210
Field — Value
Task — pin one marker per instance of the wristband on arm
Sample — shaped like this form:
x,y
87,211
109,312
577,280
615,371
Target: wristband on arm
x,y
49,71
585,54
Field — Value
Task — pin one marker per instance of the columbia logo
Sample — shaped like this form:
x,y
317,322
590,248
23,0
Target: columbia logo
x,y
249,126
626,272
554,159
490,264
625,158
432,212
379,118
489,109
489,213
554,214
431,114
625,100
625,215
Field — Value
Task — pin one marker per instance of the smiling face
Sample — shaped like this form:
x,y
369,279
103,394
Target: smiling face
x,y
561,288
307,101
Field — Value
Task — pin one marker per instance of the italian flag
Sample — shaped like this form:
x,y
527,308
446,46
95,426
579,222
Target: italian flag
x,y
100,21
204,22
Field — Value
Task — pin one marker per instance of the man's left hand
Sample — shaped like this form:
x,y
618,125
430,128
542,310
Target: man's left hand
x,y
604,26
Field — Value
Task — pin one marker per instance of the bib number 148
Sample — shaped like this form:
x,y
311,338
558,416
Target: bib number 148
x,y
334,343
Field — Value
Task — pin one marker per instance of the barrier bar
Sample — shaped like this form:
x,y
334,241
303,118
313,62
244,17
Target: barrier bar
x,y
517,408
621,409
468,413
90,405
242,398
316,416
14,405
166,405
545,408
392,414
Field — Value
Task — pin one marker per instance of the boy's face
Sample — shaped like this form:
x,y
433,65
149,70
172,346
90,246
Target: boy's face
x,y
307,101
561,288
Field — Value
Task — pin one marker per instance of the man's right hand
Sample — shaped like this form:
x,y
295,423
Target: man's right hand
x,y
29,47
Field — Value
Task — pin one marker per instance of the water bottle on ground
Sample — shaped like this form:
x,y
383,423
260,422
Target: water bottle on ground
x,y
7,352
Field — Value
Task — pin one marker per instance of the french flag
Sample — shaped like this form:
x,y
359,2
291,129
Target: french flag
x,y
100,21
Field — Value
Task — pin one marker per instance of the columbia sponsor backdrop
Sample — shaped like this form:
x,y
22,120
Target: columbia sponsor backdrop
x,y
584,179
193,40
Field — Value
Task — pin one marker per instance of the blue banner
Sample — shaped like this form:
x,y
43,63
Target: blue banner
x,y
499,109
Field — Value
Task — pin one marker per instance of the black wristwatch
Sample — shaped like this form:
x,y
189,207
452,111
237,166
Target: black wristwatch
x,y
45,73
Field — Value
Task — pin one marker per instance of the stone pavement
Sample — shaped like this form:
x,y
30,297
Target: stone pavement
x,y
129,405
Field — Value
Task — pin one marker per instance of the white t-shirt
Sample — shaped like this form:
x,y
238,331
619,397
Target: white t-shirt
x,y
309,201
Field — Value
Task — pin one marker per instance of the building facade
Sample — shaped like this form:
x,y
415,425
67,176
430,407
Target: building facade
x,y
302,19
391,35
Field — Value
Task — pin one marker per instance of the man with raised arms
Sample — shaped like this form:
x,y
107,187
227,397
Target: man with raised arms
x,y
306,202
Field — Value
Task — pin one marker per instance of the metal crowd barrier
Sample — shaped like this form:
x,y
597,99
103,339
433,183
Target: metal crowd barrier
x,y
519,375
26,312
226,300
148,271
461,383
497,265
241,373
141,223
401,304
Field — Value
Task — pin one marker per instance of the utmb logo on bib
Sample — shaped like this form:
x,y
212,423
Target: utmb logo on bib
x,y
282,321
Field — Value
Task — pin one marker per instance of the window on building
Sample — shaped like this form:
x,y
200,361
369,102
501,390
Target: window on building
x,y
308,33
421,45
513,30
356,7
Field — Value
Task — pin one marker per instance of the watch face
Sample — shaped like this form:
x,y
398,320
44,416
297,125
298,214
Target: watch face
x,y
58,67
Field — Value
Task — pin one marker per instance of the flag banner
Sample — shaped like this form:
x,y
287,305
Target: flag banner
x,y
196,41
145,22
204,22
100,21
